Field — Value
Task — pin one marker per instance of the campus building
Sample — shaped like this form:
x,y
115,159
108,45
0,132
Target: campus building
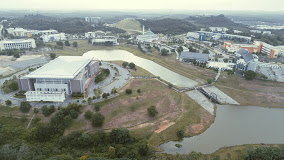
x,y
191,57
218,29
21,32
269,50
105,40
232,48
243,58
17,44
54,37
147,37
95,20
58,78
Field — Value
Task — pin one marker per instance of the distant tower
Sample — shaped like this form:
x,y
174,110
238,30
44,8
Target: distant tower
x,y
143,29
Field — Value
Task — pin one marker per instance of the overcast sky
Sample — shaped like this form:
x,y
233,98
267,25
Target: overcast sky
x,y
266,5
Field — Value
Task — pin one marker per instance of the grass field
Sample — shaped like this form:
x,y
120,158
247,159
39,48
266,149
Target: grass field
x,y
129,25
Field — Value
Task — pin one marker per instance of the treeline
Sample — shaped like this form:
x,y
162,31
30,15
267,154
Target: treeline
x,y
215,21
169,26
46,141
66,25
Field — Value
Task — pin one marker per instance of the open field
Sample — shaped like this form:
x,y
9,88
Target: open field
x,y
129,25
254,92
176,112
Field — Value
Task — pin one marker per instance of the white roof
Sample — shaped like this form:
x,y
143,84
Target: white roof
x,y
67,67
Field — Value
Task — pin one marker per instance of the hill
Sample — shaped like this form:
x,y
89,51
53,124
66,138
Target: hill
x,y
129,25
169,26
214,21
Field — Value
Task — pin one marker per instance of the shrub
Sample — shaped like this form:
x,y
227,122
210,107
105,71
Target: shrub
x,y
36,120
152,111
94,97
124,64
36,110
138,91
120,135
97,119
84,101
52,55
25,107
74,114
47,111
180,134
23,119
89,100
128,91
131,65
88,114
8,102
97,108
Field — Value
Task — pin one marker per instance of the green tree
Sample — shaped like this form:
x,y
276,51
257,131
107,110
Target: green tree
x,y
128,91
249,75
138,90
88,114
17,55
97,108
67,43
75,44
97,119
131,65
120,135
52,55
152,111
74,114
164,52
125,64
59,43
180,134
179,49
25,107
206,51
111,152
8,102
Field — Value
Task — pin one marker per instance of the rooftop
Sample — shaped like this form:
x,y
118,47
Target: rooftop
x,y
66,67
192,55
245,54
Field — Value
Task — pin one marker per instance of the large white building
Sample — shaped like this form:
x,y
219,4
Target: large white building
x,y
95,20
218,29
95,34
148,36
54,37
62,76
105,40
17,44
21,32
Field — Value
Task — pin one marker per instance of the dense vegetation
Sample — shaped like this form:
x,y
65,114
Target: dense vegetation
x,y
169,26
10,85
214,21
101,76
66,25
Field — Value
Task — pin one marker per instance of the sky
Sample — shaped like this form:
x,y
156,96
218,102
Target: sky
x,y
253,5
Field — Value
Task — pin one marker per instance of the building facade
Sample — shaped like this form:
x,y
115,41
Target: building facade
x,y
105,40
17,44
54,37
62,76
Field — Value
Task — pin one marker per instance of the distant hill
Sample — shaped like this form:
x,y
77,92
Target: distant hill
x,y
129,25
169,26
214,21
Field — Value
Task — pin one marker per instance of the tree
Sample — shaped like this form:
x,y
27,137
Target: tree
x,y
209,81
67,43
67,120
75,44
25,107
36,110
143,148
152,111
179,49
124,64
206,51
249,75
180,134
74,113
97,108
17,55
97,119
128,91
52,55
88,114
138,90
164,52
111,152
120,135
89,100
59,43
8,102
131,65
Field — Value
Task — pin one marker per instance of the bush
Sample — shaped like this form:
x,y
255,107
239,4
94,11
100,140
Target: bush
x,y
97,108
89,100
36,110
138,91
74,114
98,119
128,91
105,95
88,114
249,75
25,107
125,64
152,111
131,65
94,97
100,77
47,111
180,134
10,85
52,55
8,102
120,135
23,119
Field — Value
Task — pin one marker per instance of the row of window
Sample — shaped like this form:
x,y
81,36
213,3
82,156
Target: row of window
x,y
51,89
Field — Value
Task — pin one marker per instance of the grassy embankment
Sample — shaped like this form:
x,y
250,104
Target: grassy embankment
x,y
130,26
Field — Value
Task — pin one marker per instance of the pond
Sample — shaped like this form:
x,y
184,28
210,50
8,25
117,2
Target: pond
x,y
152,67
235,125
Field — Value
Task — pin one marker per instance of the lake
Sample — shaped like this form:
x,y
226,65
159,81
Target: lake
x,y
152,67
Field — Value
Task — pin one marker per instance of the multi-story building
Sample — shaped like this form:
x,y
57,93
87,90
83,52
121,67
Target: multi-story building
x,y
234,47
218,29
95,34
243,58
269,50
58,78
95,20
255,31
105,40
17,44
21,32
54,37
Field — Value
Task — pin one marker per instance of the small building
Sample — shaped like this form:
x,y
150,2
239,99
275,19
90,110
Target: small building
x,y
54,37
105,40
255,31
17,44
62,76
242,59
266,32
221,65
191,57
